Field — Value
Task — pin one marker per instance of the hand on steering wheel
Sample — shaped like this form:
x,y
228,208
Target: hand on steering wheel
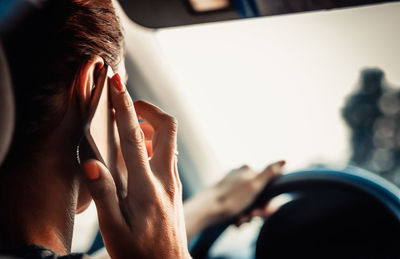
x,y
240,187
228,198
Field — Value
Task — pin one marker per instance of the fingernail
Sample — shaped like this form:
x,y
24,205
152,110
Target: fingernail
x,y
117,83
278,166
91,170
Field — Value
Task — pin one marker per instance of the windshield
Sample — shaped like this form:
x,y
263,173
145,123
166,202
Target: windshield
x,y
271,88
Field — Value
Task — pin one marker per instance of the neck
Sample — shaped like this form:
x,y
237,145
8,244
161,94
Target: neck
x,y
41,211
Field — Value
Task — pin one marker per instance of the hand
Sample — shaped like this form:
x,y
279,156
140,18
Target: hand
x,y
228,198
241,186
148,221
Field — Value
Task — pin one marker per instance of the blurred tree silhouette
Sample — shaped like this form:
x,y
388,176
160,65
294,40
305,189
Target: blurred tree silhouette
x,y
373,114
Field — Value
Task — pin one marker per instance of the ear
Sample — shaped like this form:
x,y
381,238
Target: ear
x,y
85,81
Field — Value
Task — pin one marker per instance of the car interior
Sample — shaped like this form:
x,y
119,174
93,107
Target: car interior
x,y
6,107
252,81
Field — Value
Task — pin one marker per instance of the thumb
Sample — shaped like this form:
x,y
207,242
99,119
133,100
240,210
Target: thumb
x,y
103,191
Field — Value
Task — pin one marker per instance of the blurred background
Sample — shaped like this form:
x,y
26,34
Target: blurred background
x,y
271,88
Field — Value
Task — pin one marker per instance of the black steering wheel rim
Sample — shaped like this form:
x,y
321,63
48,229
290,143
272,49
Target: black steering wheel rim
x,y
351,178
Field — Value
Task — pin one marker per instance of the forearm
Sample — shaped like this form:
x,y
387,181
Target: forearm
x,y
200,211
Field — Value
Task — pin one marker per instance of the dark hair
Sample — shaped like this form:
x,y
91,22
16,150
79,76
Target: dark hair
x,y
45,53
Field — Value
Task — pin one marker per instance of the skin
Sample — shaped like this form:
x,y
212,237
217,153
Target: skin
x,y
228,198
52,176
152,226
32,217
53,169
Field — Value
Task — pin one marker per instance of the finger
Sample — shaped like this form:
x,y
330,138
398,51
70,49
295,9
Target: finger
x,y
270,208
269,172
244,168
259,213
165,131
242,220
131,136
147,129
148,134
240,170
276,203
246,172
103,191
176,173
149,147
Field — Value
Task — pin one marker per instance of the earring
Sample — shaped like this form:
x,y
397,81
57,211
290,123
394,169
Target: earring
x,y
78,146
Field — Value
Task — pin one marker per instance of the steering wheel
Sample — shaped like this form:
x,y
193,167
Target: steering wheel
x,y
351,191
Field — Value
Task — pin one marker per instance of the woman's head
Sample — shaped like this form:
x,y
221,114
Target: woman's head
x,y
47,55
54,55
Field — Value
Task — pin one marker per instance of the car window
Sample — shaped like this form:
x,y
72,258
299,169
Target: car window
x,y
275,88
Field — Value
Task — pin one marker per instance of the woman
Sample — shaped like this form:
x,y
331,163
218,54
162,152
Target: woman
x,y
54,58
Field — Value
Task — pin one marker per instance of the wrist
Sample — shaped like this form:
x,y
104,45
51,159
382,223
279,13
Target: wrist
x,y
201,211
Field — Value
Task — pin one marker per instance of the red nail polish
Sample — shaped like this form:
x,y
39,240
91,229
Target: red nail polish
x,y
117,82
91,171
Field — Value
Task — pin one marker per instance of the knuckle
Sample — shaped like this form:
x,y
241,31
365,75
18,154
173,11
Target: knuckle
x,y
269,171
168,186
141,102
138,134
134,137
250,186
126,103
102,191
170,190
229,209
244,167
271,167
169,121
